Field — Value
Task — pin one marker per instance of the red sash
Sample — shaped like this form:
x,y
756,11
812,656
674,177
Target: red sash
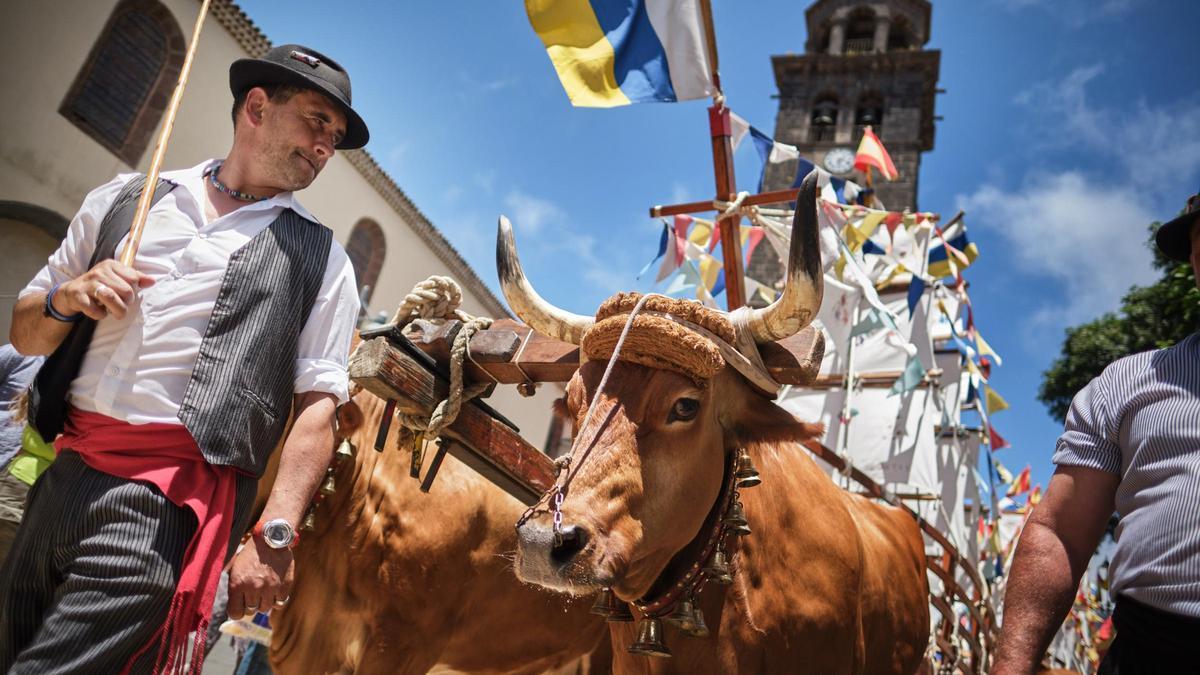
x,y
166,456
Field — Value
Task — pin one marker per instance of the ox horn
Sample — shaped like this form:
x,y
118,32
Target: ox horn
x,y
801,297
540,315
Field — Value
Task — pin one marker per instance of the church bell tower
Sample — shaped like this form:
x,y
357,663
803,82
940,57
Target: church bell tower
x,y
864,65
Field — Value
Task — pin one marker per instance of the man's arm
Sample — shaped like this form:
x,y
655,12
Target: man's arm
x,y
1054,549
260,575
107,288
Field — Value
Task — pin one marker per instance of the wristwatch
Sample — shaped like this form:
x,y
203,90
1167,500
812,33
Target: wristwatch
x,y
277,533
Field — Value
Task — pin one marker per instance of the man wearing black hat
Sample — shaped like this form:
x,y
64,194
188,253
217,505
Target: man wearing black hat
x,y
1131,444
171,384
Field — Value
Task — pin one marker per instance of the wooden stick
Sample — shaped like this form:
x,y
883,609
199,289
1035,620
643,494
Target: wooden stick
x,y
160,148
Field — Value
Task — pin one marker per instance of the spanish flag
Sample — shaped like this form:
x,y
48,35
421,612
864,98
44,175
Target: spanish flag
x,y
616,52
871,153
1021,485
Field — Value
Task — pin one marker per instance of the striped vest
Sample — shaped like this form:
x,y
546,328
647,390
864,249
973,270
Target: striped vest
x,y
238,401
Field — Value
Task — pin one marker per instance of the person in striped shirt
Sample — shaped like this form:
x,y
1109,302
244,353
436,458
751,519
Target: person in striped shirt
x,y
1131,443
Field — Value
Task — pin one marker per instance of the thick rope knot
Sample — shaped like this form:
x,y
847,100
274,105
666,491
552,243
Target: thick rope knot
x,y
437,299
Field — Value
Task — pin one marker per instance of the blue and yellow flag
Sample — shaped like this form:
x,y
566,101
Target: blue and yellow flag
x,y
616,52
940,259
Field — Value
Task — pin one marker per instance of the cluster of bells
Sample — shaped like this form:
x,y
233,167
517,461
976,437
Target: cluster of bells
x,y
687,616
344,452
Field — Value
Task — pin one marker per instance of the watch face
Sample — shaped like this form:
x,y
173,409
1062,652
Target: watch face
x,y
278,533
839,160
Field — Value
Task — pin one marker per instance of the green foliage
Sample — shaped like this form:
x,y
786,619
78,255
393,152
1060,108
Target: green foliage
x,y
1151,317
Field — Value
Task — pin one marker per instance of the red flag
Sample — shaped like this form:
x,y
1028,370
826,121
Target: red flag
x,y
1036,495
872,153
997,441
681,227
1020,485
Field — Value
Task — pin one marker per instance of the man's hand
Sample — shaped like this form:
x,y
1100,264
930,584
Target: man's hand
x,y
106,289
260,578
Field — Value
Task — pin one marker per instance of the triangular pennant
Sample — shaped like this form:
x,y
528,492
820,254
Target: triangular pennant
x,y
662,248
914,372
996,440
993,401
916,288
869,323
986,349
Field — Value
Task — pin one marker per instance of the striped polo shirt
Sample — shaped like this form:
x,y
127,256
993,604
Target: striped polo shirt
x,y
1140,419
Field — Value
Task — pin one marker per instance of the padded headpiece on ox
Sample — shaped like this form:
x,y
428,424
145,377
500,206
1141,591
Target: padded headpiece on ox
x,y
785,317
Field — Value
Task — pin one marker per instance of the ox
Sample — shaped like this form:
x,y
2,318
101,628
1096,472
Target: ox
x,y
828,582
396,581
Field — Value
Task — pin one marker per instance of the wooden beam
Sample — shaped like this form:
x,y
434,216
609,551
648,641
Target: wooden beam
x,y
485,443
772,197
494,353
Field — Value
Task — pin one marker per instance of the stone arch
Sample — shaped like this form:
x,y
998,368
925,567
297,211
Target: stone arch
x,y
119,96
366,248
868,111
823,122
28,235
860,30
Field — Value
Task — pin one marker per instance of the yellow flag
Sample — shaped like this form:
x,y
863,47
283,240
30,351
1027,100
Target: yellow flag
x,y
866,226
994,402
710,268
701,233
985,349
854,238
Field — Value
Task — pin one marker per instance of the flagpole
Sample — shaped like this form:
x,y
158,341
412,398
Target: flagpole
x,y
160,148
720,128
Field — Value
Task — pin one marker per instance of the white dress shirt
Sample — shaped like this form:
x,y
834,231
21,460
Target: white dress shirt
x,y
138,368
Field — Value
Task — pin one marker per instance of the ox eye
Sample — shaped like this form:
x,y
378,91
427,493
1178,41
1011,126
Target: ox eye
x,y
684,410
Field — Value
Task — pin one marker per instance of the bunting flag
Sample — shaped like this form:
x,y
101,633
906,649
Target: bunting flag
x,y
870,247
996,440
916,288
677,245
914,372
1036,496
662,248
870,323
702,232
1002,473
1021,485
686,282
771,152
963,251
993,401
710,269
739,128
986,350
871,153
610,53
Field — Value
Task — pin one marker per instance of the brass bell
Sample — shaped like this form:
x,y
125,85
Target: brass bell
x,y
344,452
310,521
620,612
681,618
696,626
735,519
605,602
746,474
650,639
328,486
718,569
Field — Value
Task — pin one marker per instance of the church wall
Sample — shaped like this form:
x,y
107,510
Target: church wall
x,y
45,160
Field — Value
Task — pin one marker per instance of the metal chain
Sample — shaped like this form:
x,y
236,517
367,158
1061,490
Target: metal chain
x,y
557,514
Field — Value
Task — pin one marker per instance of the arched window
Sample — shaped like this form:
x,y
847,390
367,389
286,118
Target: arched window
x,y
868,113
119,95
860,31
900,35
823,125
366,249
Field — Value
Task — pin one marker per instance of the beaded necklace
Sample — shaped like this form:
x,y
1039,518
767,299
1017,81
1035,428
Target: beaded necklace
x,y
221,187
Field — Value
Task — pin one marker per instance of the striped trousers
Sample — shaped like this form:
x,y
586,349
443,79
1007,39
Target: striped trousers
x,y
92,571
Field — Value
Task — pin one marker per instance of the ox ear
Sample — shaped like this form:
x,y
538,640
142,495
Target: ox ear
x,y
754,420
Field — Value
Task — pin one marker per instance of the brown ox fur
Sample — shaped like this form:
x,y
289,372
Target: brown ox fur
x,y
396,581
829,582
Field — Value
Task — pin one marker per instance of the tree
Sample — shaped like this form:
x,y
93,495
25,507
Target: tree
x,y
1151,317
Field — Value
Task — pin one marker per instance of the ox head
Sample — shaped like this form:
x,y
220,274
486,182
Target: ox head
x,y
649,466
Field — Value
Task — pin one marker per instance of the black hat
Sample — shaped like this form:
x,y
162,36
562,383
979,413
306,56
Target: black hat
x,y
1175,238
304,67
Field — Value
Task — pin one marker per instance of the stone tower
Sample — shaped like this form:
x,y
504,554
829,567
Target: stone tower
x,y
864,64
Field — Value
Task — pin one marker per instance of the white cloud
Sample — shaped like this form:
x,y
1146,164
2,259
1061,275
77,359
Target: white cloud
x,y
1074,13
1084,232
530,213
1082,236
1153,145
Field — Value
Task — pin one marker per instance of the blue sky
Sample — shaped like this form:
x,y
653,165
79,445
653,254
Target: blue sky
x,y
1069,125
